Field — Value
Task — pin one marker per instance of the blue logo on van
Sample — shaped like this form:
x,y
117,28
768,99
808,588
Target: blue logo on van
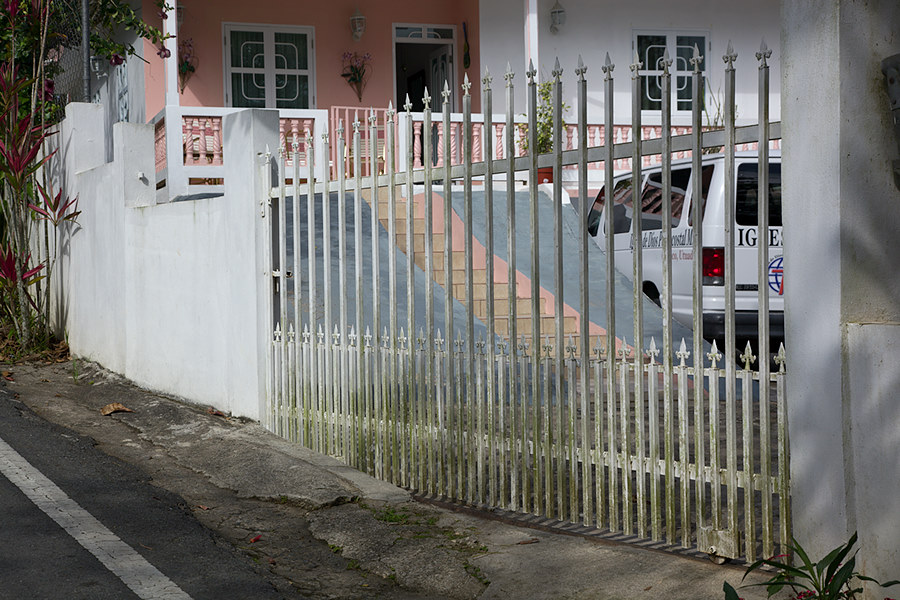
x,y
776,275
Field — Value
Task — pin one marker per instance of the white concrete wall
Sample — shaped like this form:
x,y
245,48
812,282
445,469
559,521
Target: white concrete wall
x,y
594,28
843,294
168,295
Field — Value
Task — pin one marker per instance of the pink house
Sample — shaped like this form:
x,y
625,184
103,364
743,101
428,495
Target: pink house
x,y
291,56
301,44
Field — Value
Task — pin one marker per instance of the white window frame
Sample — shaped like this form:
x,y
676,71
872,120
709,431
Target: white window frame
x,y
270,71
676,70
424,39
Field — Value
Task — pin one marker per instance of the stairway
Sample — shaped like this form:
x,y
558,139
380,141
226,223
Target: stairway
x,y
502,301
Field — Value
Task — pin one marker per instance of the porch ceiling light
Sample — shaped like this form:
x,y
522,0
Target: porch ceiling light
x,y
357,25
557,17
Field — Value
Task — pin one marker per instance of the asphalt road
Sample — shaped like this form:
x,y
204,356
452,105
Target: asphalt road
x,y
39,559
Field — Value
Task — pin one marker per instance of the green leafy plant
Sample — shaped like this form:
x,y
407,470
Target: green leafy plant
x,y
544,119
832,578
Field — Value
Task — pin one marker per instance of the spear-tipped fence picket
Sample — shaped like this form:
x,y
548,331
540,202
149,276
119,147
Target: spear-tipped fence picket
x,y
668,443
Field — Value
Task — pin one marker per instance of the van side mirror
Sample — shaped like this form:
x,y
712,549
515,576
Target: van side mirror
x,y
891,69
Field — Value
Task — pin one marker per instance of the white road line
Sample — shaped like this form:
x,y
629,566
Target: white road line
x,y
144,579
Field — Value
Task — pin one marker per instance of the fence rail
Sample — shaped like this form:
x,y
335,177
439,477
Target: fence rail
x,y
530,400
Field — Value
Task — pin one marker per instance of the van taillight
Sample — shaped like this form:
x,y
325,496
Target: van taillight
x,y
714,266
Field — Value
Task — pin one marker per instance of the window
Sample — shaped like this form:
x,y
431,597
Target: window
x,y
269,67
651,198
748,190
651,48
622,209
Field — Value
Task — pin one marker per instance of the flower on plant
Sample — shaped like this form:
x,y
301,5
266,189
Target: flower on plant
x,y
355,66
116,60
186,56
164,52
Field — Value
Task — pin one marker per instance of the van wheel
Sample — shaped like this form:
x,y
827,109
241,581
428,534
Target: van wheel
x,y
651,292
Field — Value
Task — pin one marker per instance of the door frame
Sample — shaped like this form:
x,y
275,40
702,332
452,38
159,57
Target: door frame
x,y
424,39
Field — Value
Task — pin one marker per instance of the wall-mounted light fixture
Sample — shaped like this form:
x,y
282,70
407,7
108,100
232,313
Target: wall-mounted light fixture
x,y
890,67
557,17
357,25
99,65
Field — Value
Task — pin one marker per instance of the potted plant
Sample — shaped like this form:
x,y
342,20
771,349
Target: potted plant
x,y
544,124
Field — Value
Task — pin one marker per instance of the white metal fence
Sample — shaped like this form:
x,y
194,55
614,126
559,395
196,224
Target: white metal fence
x,y
522,397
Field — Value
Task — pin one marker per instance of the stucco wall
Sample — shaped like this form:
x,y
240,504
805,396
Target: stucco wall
x,y
167,295
331,20
843,298
594,28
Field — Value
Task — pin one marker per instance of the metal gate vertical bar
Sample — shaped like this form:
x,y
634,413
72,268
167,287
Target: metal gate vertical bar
x,y
282,291
624,426
532,503
266,214
784,479
342,290
714,442
494,406
653,419
746,376
475,465
667,349
449,331
313,290
406,450
373,418
571,448
609,200
584,278
427,459
330,380
301,389
697,212
391,420
515,398
730,343
358,390
684,450
559,370
638,301
763,294
599,459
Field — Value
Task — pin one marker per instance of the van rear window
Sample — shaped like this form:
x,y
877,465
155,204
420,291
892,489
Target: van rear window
x,y
748,189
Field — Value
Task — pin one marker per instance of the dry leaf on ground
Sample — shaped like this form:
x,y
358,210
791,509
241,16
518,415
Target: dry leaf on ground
x,y
113,408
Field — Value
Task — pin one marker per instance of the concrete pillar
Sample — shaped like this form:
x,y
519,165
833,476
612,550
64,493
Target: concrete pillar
x,y
842,295
248,135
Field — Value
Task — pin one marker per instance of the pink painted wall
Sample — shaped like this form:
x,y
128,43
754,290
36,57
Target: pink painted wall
x,y
203,23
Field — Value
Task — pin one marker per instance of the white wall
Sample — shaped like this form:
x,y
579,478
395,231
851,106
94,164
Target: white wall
x,y
168,295
843,294
593,28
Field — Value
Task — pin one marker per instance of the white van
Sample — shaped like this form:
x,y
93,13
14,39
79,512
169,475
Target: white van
x,y
746,257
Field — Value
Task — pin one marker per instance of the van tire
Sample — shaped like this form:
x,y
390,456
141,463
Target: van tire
x,y
651,292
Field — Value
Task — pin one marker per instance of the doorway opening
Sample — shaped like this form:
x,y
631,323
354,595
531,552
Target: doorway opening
x,y
423,58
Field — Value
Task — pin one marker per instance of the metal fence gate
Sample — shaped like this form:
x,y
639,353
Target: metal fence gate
x,y
404,342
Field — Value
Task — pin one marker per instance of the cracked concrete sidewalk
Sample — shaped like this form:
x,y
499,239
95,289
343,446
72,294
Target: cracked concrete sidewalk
x,y
329,531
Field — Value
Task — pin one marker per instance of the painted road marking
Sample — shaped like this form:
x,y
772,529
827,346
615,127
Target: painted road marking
x,y
140,576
